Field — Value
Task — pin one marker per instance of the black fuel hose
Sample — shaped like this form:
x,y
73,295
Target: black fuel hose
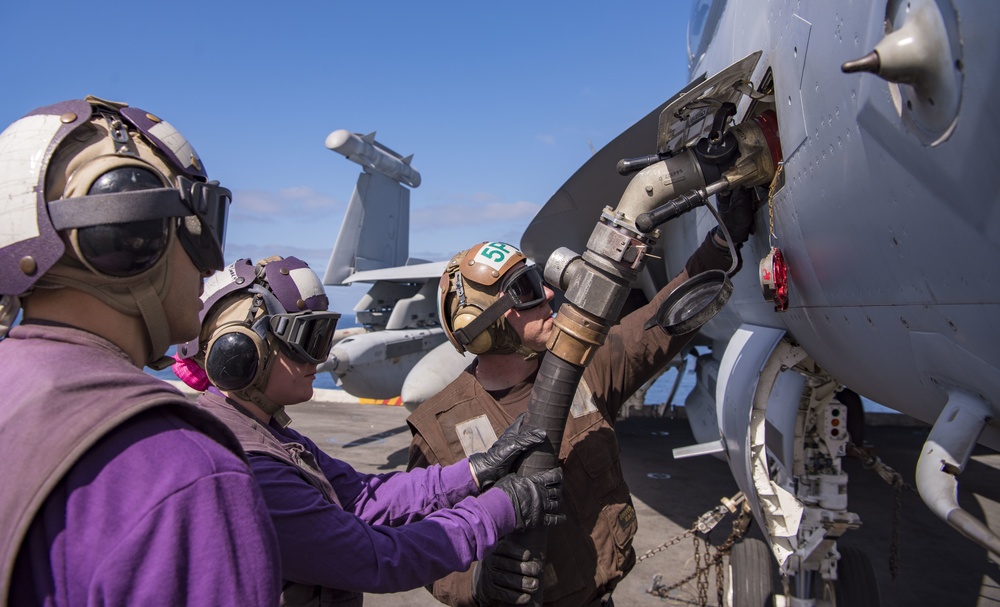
x,y
551,399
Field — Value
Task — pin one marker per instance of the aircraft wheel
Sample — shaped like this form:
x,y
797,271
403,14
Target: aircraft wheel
x,y
750,575
856,583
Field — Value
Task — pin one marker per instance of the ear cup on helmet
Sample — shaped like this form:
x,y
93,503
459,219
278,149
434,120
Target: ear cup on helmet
x,y
482,342
129,248
235,358
123,250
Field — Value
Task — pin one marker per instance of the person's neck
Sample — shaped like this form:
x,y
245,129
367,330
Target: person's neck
x,y
502,371
249,407
84,311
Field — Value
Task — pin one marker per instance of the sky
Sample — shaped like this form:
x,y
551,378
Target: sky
x,y
499,103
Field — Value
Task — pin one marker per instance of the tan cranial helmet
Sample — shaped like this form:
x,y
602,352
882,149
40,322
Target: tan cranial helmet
x,y
477,288
95,194
253,311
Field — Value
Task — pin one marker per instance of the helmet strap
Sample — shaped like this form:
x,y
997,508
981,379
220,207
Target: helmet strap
x,y
527,352
155,319
141,295
490,315
255,391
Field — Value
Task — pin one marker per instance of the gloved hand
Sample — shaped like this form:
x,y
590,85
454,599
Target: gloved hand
x,y
508,576
489,467
736,209
535,498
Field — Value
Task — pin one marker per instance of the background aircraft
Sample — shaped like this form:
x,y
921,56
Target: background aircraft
x,y
874,242
398,315
400,350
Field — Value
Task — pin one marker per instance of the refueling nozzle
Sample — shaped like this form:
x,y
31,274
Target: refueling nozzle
x,y
749,159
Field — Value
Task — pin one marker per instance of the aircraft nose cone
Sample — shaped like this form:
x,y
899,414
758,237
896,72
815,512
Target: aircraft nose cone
x,y
332,362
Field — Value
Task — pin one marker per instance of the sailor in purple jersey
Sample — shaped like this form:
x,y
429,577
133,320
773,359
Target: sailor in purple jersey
x,y
342,533
116,490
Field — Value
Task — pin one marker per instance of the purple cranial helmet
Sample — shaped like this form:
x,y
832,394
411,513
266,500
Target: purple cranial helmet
x,y
92,193
32,198
251,311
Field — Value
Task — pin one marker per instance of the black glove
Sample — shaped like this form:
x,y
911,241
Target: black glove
x,y
535,498
736,209
508,576
489,467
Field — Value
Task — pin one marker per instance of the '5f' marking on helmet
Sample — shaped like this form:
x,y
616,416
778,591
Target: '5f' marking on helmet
x,y
495,252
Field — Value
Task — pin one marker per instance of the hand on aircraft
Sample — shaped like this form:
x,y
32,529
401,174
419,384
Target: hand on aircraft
x,y
535,498
508,576
489,467
736,209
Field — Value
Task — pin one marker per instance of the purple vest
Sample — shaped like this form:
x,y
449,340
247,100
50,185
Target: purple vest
x,y
50,419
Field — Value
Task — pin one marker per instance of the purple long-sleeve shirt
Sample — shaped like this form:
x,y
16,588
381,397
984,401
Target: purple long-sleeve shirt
x,y
155,513
396,531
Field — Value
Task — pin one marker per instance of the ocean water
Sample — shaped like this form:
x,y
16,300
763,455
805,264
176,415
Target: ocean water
x,y
655,396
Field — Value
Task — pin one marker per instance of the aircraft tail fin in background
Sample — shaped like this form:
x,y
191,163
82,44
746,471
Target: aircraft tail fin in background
x,y
398,314
375,233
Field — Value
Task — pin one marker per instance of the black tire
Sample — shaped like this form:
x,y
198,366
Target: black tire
x,y
751,574
856,583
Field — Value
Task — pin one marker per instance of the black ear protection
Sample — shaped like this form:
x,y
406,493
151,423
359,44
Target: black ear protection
x,y
127,248
239,355
233,358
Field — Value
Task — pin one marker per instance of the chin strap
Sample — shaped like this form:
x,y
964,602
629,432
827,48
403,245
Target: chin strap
x,y
255,392
140,295
155,319
528,353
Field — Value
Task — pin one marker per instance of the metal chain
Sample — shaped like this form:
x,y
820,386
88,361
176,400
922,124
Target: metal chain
x,y
894,549
702,565
701,573
665,545
895,479
720,582
770,203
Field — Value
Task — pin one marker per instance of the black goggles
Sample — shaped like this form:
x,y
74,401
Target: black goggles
x,y
305,336
205,240
203,206
525,287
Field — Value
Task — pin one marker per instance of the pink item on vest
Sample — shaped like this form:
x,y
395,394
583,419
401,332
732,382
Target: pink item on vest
x,y
190,373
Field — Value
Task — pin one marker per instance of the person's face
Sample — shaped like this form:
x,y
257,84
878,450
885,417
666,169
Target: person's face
x,y
534,325
183,300
290,382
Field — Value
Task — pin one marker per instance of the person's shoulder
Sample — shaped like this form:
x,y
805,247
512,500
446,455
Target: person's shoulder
x,y
174,442
156,461
457,393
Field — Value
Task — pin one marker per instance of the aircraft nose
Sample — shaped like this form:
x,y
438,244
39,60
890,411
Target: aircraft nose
x,y
331,363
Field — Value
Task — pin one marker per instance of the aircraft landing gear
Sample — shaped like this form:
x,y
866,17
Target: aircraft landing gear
x,y
790,468
750,576
856,584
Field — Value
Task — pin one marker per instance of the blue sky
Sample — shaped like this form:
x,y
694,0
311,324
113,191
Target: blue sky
x,y
498,102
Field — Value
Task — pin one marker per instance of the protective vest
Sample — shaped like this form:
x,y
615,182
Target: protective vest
x,y
255,438
95,390
591,552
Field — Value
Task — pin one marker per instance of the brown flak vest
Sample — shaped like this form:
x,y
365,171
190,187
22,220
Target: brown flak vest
x,y
255,438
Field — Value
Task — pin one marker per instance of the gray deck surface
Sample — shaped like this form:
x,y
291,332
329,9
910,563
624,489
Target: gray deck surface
x,y
937,566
